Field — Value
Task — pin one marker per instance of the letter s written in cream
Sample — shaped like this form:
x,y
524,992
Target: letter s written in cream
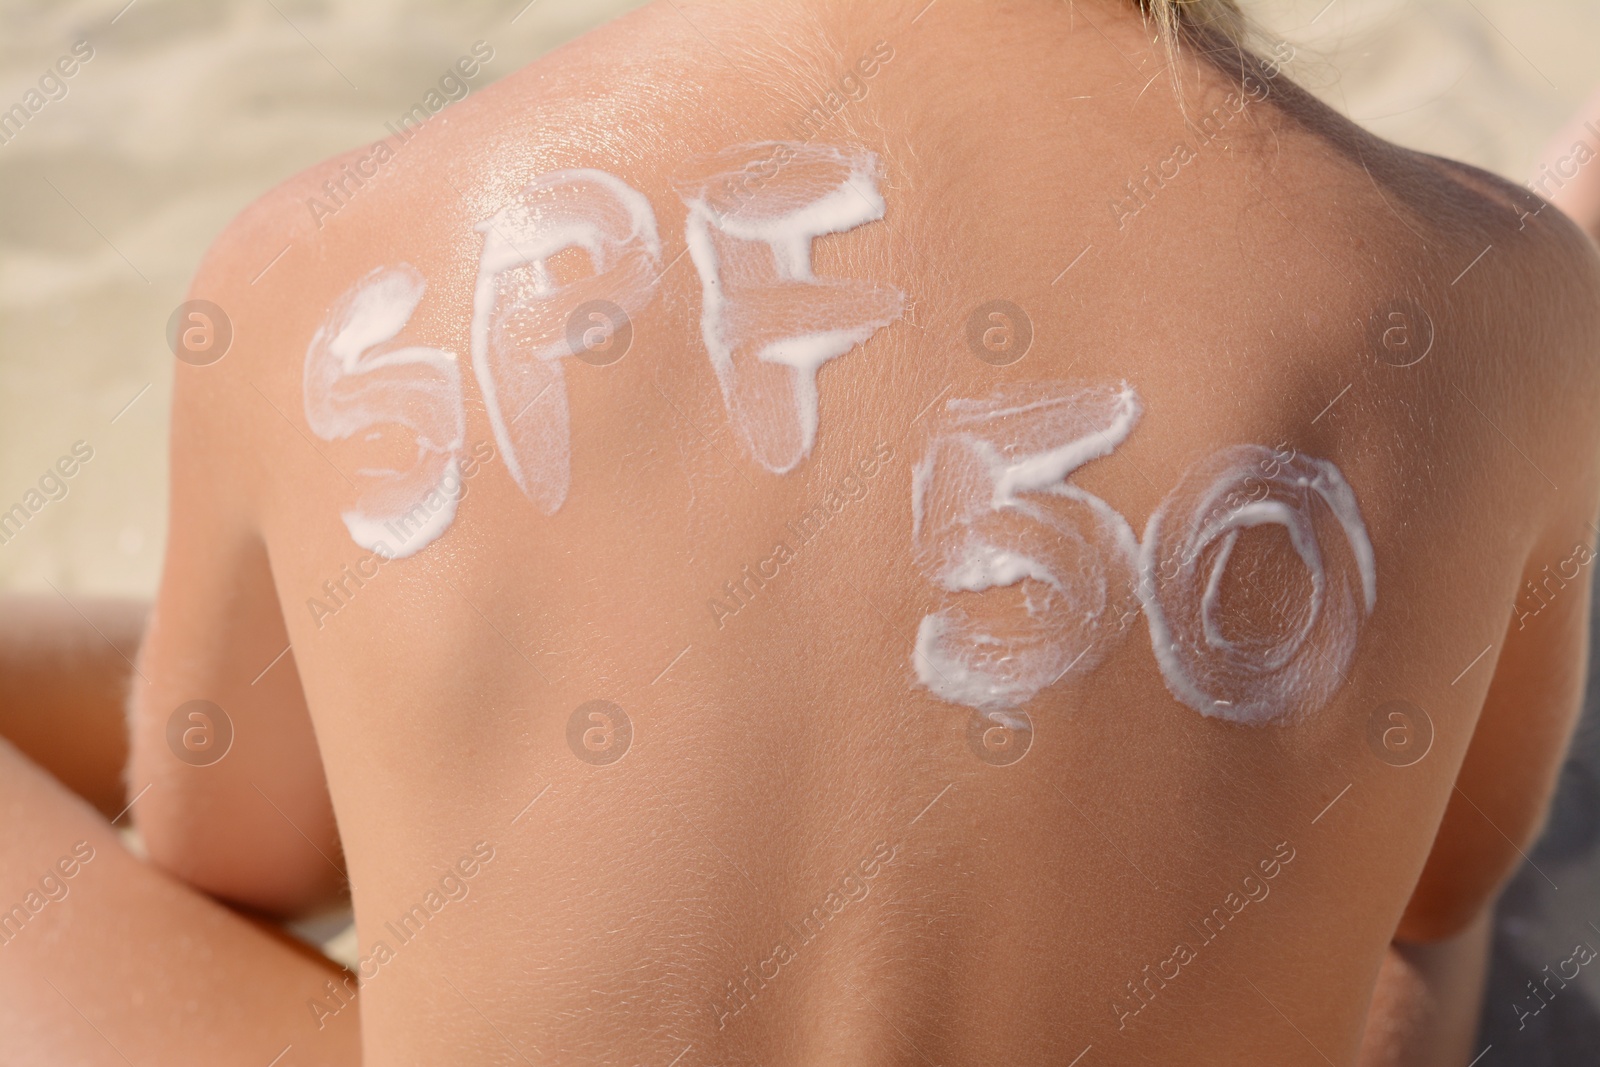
x,y
360,380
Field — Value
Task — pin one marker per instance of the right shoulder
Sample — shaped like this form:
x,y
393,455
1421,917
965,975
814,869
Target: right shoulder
x,y
1528,288
1492,347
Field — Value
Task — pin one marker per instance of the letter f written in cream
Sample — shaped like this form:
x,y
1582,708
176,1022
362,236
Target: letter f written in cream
x,y
768,322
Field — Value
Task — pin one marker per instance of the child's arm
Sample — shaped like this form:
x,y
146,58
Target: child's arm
x,y
238,804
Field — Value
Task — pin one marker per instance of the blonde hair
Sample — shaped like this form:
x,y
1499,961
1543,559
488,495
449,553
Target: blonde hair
x,y
1215,30
1203,19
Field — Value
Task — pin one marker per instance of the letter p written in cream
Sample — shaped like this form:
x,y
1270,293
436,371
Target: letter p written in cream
x,y
521,305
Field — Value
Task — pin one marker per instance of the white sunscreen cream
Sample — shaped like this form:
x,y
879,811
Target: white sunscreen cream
x,y
359,380
768,322
521,310
1042,573
1257,574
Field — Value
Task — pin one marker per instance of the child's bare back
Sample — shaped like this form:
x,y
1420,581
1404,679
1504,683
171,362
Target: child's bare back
x,y
876,537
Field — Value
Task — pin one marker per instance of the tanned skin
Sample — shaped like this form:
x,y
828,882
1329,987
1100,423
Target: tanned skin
x,y
629,913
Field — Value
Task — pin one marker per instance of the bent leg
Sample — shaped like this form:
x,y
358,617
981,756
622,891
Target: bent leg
x,y
64,672
1425,1009
105,960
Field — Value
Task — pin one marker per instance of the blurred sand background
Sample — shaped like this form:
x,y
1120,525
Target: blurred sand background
x,y
192,108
